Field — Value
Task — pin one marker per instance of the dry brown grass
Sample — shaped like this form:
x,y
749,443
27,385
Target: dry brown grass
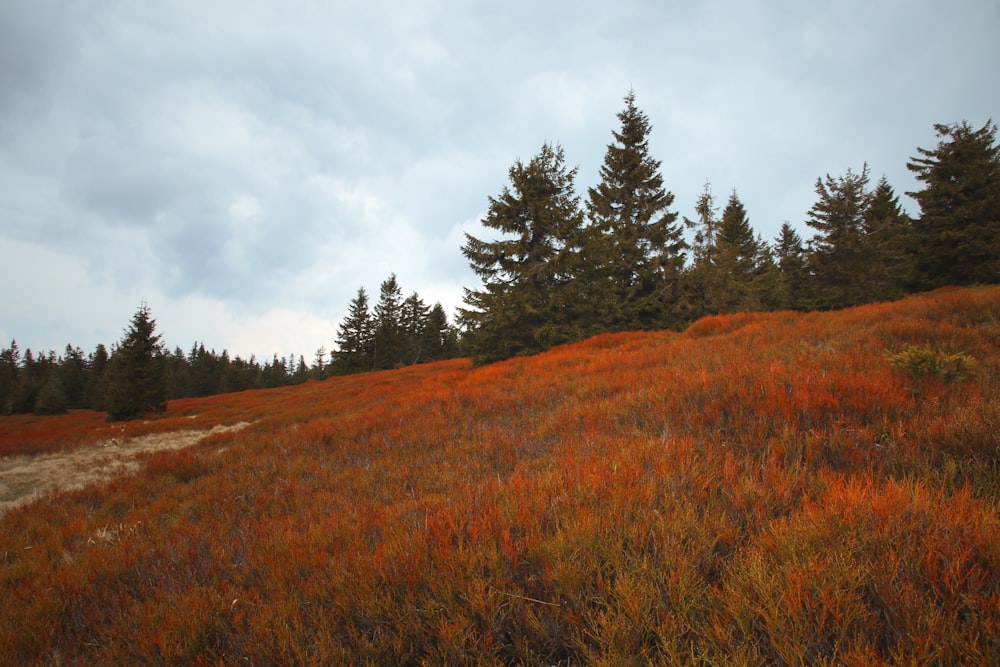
x,y
24,478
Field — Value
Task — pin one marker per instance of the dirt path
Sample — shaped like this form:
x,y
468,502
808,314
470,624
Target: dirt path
x,y
23,478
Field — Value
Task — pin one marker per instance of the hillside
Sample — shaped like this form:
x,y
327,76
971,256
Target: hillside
x,y
764,488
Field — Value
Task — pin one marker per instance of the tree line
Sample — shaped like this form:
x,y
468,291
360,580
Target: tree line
x,y
397,332
139,375
562,270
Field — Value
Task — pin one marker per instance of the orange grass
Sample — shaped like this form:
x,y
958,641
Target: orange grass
x,y
760,489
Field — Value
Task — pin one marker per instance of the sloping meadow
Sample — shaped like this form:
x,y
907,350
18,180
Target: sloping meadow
x,y
764,488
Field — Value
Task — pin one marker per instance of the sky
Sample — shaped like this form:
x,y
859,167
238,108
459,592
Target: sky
x,y
244,167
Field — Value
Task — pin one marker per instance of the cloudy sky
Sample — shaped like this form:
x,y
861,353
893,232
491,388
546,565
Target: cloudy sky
x,y
244,167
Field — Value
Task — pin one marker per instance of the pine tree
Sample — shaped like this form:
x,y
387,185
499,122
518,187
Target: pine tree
x,y
10,368
635,246
704,281
236,374
389,341
705,227
957,238
73,376
96,390
532,296
738,261
839,260
134,377
439,338
354,338
301,373
51,398
318,370
177,374
791,283
885,227
413,321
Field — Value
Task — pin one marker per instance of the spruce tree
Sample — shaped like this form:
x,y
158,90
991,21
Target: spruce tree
x,y
705,227
704,282
318,370
886,228
957,238
134,378
96,390
532,296
635,246
838,261
439,340
388,338
413,321
738,260
73,376
791,283
353,352
10,368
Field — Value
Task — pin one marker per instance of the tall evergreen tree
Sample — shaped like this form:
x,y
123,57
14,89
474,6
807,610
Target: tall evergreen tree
x,y
318,370
353,353
635,246
790,290
177,374
705,226
886,226
73,372
51,398
413,321
389,340
135,383
838,260
957,238
10,368
532,296
704,281
739,261
96,391
439,339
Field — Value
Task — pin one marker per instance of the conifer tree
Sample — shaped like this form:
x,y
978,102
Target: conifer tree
x,y
890,265
135,384
838,261
318,370
236,375
532,296
388,338
635,246
94,394
354,338
51,398
704,281
957,238
73,376
738,261
10,368
791,282
705,227
413,321
439,339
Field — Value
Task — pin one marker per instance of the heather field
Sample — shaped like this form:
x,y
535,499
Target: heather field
x,y
761,489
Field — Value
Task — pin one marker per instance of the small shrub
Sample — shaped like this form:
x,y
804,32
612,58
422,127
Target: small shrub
x,y
923,362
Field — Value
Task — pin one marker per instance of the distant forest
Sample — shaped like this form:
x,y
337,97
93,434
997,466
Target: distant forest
x,y
138,375
563,269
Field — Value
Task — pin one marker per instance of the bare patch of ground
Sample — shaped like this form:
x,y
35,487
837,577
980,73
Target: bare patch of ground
x,y
23,478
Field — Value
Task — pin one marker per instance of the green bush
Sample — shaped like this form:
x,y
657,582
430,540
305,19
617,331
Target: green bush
x,y
923,362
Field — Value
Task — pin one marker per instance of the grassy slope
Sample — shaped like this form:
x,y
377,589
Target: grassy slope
x,y
761,489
